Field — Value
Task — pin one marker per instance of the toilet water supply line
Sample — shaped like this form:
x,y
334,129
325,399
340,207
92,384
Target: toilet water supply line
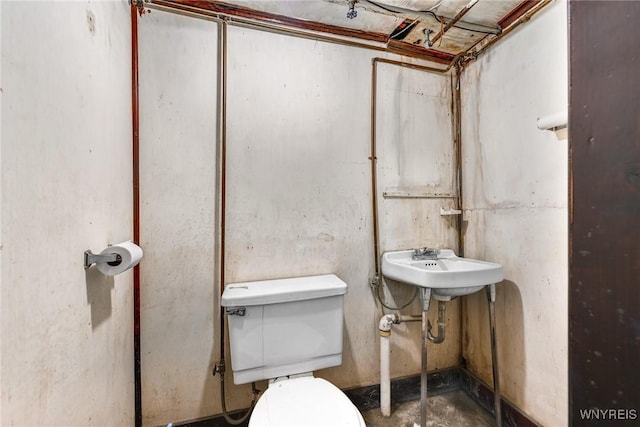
x,y
222,127
384,330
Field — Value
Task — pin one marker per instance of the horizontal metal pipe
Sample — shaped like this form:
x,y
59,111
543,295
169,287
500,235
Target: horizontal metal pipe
x,y
255,14
247,23
182,11
194,12
405,195
384,326
410,318
521,20
412,66
452,22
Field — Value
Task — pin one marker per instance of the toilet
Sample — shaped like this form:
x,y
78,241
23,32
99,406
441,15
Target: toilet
x,y
282,330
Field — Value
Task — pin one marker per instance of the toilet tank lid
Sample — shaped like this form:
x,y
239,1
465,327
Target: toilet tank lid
x,y
282,290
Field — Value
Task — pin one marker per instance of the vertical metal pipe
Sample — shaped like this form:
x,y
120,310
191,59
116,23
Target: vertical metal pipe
x,y
491,298
135,115
423,372
223,148
425,296
457,117
374,176
222,140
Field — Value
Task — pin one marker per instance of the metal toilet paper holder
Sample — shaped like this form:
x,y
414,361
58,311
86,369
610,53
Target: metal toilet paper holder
x,y
90,258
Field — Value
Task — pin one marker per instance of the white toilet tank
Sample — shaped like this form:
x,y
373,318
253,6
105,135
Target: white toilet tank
x,y
285,326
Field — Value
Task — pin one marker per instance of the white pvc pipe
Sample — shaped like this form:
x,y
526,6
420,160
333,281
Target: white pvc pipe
x,y
385,378
384,326
384,329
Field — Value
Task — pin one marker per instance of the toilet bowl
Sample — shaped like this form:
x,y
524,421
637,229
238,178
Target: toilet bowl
x,y
283,330
304,401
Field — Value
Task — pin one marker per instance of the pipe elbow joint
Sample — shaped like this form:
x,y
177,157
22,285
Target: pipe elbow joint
x,y
384,327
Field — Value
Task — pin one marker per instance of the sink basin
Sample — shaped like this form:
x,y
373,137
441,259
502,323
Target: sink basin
x,y
447,276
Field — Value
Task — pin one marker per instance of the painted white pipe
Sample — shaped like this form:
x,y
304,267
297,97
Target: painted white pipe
x,y
554,121
384,329
385,377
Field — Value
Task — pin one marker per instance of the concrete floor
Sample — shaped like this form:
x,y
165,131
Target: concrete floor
x,y
453,409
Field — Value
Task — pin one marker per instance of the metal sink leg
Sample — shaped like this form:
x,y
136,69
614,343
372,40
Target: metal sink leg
x,y
491,297
425,295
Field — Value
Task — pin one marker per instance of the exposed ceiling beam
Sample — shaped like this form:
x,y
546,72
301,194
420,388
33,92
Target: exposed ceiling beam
x,y
517,12
452,22
221,10
226,9
246,17
415,51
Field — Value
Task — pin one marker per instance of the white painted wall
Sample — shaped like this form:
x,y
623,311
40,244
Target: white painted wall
x,y
298,196
299,192
515,198
67,337
178,193
298,204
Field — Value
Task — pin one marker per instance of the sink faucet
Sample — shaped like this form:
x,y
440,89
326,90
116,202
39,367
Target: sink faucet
x,y
426,253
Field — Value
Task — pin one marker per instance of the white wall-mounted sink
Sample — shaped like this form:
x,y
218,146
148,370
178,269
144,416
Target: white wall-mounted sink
x,y
447,276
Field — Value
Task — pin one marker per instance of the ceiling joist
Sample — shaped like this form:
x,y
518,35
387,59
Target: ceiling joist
x,y
425,34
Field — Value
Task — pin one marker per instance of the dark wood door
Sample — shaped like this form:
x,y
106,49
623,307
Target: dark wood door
x,y
604,266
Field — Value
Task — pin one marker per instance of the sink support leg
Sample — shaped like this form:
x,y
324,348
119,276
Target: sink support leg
x,y
425,295
491,297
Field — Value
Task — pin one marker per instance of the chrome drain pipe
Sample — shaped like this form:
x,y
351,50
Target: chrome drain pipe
x,y
442,313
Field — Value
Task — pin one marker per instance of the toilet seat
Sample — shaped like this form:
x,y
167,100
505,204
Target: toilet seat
x,y
305,402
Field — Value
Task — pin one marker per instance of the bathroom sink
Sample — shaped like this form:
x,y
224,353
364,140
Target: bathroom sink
x,y
447,275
